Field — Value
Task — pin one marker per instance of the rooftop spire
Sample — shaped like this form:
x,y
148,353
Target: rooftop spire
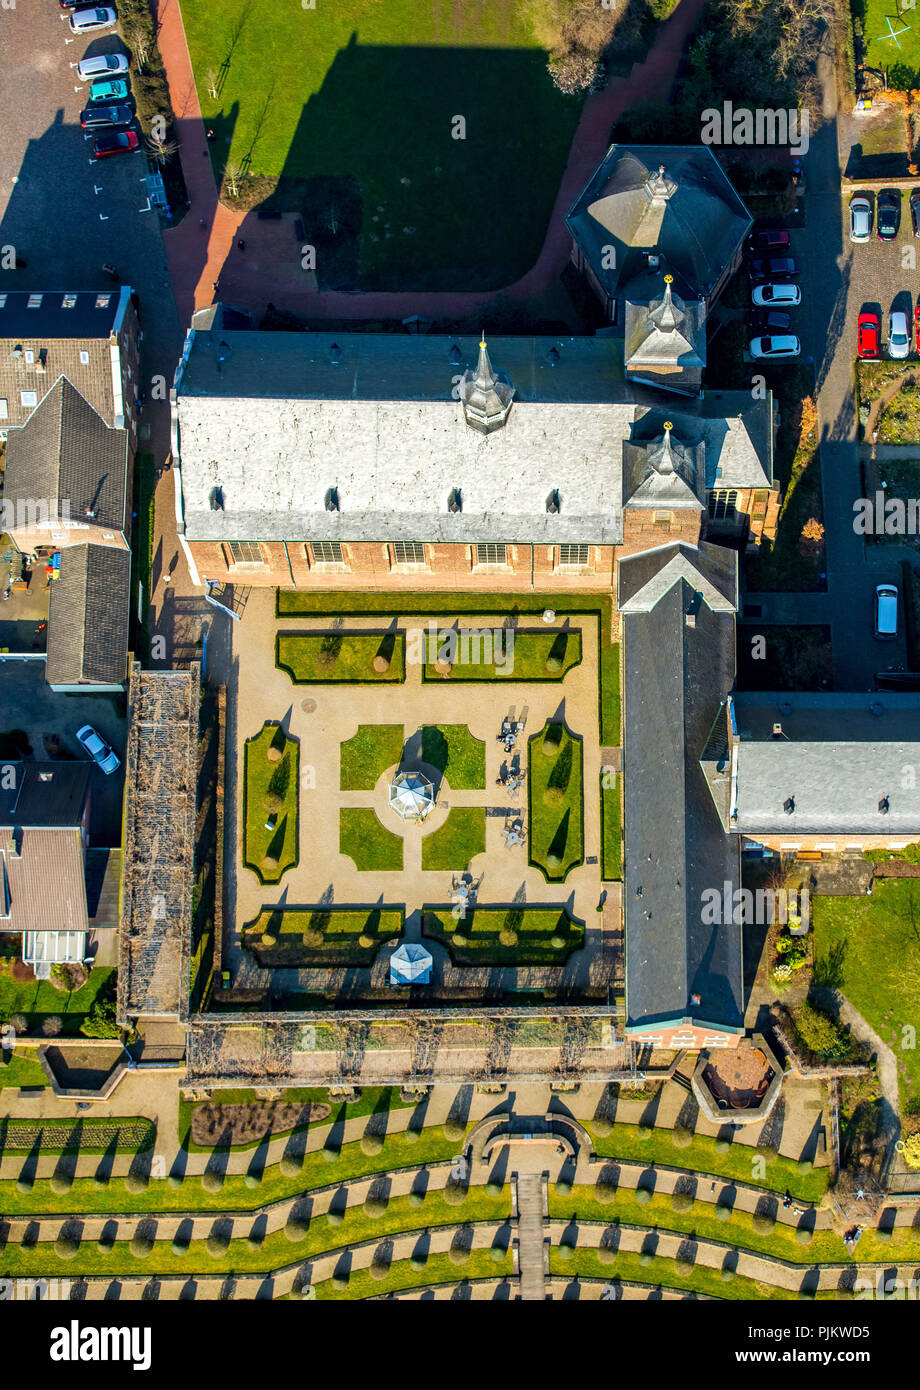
x,y
486,399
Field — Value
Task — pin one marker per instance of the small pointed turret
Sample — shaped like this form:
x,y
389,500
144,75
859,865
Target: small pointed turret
x,y
486,399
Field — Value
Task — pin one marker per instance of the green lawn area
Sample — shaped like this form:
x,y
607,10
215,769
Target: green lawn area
x,y
611,832
317,658
321,935
899,422
460,838
39,1000
456,754
554,791
872,946
354,107
368,842
275,1250
333,604
271,789
367,755
21,1069
901,58
546,655
627,1266
533,935
439,1269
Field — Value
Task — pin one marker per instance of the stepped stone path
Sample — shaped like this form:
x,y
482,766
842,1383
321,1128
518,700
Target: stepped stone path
x,y
530,1237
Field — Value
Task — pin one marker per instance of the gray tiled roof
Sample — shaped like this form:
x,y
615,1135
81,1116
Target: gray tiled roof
x,y
66,453
676,675
663,473
838,762
88,617
690,216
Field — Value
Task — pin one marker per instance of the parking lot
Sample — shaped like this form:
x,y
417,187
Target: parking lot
x,y
884,274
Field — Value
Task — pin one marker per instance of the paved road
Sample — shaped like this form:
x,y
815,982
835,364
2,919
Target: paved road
x,y
839,280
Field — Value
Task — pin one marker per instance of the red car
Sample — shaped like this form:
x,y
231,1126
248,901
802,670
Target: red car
x,y
917,325
868,335
768,239
117,142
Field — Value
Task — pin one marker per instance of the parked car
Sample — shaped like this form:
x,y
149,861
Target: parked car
x,y
887,214
768,267
898,334
99,117
868,335
785,345
106,65
110,89
769,296
85,21
768,239
917,325
97,748
914,203
118,142
769,320
886,612
860,218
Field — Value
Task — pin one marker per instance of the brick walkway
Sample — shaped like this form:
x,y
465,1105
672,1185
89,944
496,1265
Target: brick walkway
x,y
198,259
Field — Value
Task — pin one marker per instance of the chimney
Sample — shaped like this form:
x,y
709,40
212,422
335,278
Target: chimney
x,y
789,805
777,730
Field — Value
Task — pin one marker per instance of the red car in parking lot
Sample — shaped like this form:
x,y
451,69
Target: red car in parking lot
x,y
868,335
118,142
917,325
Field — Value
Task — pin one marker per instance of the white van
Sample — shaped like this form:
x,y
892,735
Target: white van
x,y
886,611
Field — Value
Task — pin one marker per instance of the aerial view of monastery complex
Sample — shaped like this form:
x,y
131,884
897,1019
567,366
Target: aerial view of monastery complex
x,y
459,655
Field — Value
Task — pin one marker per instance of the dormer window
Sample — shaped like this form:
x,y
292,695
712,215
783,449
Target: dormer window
x,y
554,502
335,354
332,499
789,805
455,500
34,301
455,355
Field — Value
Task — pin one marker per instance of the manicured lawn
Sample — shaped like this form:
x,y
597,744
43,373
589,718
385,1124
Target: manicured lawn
x,y
275,1250
318,658
439,1269
872,946
271,789
374,748
625,1142
321,936
554,792
657,1270
456,754
460,838
326,603
901,59
39,1000
21,1070
544,936
369,843
318,97
611,832
514,655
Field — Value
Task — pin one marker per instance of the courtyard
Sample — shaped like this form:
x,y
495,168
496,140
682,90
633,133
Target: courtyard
x,y
487,849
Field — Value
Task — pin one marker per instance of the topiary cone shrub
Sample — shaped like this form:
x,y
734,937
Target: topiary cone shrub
x,y
272,803
136,1182
722,1146
411,1136
681,1137
273,753
458,1254
416,1199
418,1262
644,1132
803,1235
553,860
255,1239
552,740
683,1267
25,1182
563,1187
374,1207
493,1188
66,1247
726,1274
566,1250
371,1144
605,1191
141,1245
763,1223
296,1229
100,1181
496,1253
217,1244
340,1282
381,664
379,1268
508,936
179,1244
251,1180
330,1154
804,1166
643,1196
210,1181
453,1130
553,664
60,1182
455,1194
557,942
602,1126
645,1258
723,1212
105,1243
290,1165
681,1201
883,1234
334,1216
269,863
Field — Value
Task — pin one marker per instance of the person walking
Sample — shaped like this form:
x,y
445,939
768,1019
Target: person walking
x,y
241,245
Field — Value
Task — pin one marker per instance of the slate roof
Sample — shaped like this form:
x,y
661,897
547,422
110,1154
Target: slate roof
x,y
88,617
736,431
839,761
45,794
665,342
61,334
689,215
677,674
663,473
66,452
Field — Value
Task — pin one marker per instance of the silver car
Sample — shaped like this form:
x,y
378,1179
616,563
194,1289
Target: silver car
x,y
102,755
84,21
860,218
106,65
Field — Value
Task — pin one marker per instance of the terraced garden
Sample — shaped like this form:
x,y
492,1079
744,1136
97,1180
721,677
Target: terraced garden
x,y
506,936
321,936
